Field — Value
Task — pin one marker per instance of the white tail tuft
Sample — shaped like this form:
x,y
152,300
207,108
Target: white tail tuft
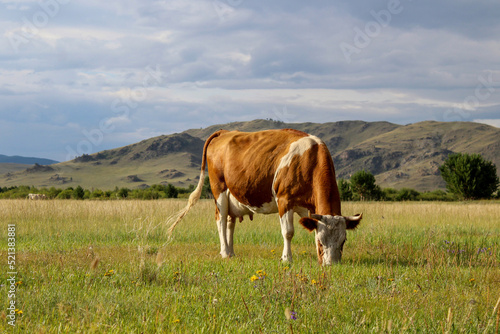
x,y
193,199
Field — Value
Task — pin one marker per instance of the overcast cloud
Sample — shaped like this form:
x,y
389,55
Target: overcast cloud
x,y
80,77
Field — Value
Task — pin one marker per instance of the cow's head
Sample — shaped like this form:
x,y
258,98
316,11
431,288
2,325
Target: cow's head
x,y
330,234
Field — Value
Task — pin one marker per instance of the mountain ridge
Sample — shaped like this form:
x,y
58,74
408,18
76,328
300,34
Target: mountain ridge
x,y
16,159
398,155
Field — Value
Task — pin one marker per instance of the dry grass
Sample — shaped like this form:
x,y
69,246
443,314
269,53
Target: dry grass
x,y
93,267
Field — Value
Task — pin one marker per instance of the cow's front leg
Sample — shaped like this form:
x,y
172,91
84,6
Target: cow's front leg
x,y
223,208
231,224
287,231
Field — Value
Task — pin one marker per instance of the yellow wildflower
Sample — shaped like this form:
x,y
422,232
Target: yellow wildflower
x,y
254,278
261,273
313,281
176,321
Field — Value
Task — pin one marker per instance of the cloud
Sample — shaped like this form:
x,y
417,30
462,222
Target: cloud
x,y
218,61
492,122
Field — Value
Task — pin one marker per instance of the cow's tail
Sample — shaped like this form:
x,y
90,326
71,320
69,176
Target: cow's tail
x,y
195,195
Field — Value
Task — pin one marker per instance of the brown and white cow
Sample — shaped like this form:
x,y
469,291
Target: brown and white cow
x,y
36,196
274,171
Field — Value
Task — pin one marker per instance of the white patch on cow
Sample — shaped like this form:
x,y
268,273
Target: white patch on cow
x,y
298,147
222,202
287,230
266,208
238,209
223,206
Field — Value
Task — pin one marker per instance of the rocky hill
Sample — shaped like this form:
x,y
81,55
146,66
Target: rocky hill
x,y
399,156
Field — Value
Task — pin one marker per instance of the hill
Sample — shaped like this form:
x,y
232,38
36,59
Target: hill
x,y
399,156
25,160
9,164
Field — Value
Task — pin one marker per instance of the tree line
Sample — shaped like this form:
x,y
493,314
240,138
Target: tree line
x,y
157,191
467,177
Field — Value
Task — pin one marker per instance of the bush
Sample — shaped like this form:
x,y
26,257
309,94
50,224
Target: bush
x,y
389,194
344,190
97,194
469,176
206,192
123,193
407,194
65,194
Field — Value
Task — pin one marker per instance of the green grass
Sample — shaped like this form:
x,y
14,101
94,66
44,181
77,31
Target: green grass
x,y
103,267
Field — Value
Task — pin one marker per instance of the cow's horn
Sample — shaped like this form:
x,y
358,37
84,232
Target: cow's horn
x,y
356,217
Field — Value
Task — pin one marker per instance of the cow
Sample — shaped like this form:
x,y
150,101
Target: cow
x,y
37,196
273,171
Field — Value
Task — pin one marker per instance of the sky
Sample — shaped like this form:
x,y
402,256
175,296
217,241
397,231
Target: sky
x,y
78,77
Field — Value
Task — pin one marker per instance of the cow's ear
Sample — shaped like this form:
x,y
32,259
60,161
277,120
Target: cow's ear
x,y
309,223
353,221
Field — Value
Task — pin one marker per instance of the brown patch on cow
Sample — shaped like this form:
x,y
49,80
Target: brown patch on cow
x,y
352,224
245,163
319,248
309,223
297,132
315,169
217,213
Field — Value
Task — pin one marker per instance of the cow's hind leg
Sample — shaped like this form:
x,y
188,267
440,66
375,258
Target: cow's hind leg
x,y
287,231
231,224
223,208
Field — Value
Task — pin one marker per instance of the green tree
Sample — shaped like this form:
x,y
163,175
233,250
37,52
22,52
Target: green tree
x,y
171,191
363,184
469,176
65,194
206,192
123,192
78,193
53,192
344,190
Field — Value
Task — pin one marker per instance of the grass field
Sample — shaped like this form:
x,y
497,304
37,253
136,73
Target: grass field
x,y
107,267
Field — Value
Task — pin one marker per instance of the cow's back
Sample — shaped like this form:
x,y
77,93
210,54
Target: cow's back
x,y
245,163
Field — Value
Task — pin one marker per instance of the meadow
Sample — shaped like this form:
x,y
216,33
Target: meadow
x,y
109,267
